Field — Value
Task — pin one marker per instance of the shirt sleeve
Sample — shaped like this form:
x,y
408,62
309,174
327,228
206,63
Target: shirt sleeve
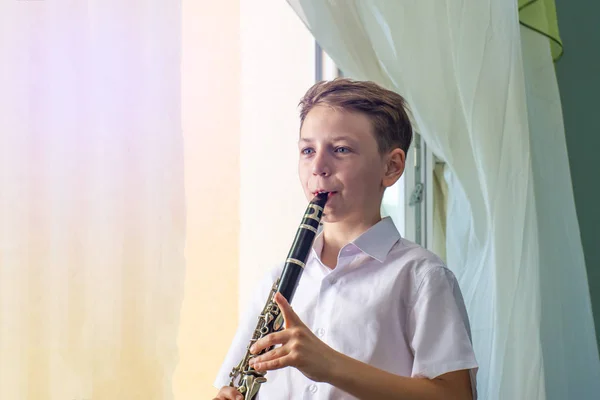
x,y
439,330
245,329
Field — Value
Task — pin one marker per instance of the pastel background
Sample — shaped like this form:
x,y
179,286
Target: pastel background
x,y
147,180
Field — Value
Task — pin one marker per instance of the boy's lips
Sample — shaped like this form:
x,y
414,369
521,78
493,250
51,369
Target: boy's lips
x,y
329,192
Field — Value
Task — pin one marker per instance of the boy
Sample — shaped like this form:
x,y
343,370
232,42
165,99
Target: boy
x,y
375,316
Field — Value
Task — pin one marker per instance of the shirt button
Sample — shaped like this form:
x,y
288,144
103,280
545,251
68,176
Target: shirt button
x,y
313,388
320,332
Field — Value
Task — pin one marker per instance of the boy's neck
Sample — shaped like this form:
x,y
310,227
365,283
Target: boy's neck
x,y
337,235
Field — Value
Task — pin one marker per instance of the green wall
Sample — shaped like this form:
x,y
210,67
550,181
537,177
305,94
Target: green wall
x,y
578,74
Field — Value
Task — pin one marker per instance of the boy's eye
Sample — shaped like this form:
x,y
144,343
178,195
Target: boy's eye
x,y
342,150
307,150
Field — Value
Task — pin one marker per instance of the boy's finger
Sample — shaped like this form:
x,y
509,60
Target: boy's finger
x,y
269,355
270,340
290,317
229,393
270,365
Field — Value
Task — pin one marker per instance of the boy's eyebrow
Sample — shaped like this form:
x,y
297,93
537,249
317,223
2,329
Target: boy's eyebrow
x,y
335,139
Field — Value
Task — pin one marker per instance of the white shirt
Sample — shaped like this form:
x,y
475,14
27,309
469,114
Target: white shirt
x,y
388,303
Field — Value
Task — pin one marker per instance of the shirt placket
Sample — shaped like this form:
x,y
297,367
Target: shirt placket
x,y
325,314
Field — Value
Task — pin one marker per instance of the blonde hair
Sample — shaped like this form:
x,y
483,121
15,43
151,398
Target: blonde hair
x,y
386,109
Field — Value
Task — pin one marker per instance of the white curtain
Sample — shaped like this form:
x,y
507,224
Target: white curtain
x,y
91,199
461,68
568,344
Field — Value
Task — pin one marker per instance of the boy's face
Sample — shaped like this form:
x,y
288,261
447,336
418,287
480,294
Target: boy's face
x,y
339,154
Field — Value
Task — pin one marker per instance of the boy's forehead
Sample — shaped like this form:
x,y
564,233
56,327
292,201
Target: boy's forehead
x,y
335,124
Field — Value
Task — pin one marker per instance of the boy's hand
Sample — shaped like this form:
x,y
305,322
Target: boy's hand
x,y
228,393
300,348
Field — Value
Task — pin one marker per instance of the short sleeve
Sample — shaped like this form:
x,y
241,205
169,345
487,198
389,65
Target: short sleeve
x,y
246,327
439,330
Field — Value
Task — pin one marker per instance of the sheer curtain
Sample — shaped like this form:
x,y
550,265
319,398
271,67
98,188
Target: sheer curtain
x,y
91,199
569,346
472,95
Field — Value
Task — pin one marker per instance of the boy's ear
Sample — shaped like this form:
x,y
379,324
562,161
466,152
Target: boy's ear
x,y
394,166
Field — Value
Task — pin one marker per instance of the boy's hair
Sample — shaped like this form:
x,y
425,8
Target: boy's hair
x,y
386,109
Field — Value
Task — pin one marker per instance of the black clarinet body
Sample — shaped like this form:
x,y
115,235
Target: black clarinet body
x,y
243,377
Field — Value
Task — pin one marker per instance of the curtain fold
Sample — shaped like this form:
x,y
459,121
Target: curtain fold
x,y
462,71
91,199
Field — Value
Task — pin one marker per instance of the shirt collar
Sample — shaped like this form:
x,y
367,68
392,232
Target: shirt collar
x,y
377,241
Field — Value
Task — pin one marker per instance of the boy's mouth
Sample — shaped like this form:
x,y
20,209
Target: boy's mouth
x,y
329,194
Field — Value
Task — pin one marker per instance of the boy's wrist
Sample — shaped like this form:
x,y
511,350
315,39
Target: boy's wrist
x,y
337,368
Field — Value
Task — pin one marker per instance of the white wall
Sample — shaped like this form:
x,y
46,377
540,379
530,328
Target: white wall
x,y
277,69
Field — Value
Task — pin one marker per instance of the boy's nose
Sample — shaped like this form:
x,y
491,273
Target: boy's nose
x,y
321,166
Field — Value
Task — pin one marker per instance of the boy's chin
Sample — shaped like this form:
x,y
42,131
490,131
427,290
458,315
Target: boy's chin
x,y
330,218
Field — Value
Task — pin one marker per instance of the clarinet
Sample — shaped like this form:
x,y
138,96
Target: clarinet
x,y
243,377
